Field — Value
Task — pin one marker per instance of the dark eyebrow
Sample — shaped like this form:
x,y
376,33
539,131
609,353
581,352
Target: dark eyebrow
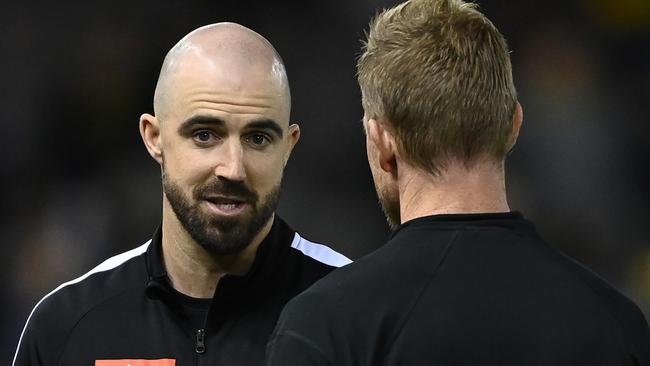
x,y
266,124
263,124
186,127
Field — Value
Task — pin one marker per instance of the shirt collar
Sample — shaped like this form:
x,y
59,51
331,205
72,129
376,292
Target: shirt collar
x,y
269,257
513,220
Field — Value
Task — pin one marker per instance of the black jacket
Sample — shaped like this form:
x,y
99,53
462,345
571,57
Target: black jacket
x,y
125,309
479,289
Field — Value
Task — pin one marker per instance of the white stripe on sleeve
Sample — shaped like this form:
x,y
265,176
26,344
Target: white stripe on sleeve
x,y
319,252
106,265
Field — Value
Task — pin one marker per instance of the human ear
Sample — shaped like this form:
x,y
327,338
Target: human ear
x,y
379,134
293,137
150,133
517,120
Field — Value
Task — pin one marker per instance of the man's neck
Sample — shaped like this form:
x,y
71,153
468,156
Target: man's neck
x,y
194,271
457,190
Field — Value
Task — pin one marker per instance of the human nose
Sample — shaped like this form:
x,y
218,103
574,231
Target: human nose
x,y
231,162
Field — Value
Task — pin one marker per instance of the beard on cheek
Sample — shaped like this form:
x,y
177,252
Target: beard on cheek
x,y
389,202
390,206
386,190
221,235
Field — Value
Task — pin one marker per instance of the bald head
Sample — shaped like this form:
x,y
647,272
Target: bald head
x,y
221,49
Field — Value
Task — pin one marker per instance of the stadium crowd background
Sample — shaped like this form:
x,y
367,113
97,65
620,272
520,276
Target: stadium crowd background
x,y
78,185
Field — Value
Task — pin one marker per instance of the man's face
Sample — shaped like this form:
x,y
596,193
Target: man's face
x,y
385,185
225,141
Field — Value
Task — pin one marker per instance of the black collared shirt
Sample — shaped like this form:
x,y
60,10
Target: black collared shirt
x,y
480,289
125,309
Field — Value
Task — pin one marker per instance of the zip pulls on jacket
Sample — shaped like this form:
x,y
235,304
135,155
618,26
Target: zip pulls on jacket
x,y
200,334
200,341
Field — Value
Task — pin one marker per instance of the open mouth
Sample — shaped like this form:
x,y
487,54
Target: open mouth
x,y
226,205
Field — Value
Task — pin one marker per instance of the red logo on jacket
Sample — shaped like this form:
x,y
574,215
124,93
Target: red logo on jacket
x,y
160,362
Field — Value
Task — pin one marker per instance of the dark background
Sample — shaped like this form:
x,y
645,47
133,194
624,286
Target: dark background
x,y
78,185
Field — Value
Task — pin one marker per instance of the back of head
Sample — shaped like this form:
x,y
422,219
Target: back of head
x,y
438,71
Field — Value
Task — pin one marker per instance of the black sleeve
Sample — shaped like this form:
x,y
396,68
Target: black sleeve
x,y
638,337
290,348
303,335
44,336
27,351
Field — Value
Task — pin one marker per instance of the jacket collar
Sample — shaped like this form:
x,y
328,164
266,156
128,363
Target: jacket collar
x,y
513,220
260,278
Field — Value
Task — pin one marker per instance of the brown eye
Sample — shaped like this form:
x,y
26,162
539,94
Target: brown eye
x,y
258,140
203,136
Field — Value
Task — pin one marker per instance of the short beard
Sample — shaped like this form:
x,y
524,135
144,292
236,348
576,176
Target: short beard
x,y
220,236
390,205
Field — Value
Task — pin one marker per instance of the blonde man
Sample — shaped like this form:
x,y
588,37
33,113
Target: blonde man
x,y
463,280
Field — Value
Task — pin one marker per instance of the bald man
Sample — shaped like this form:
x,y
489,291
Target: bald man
x,y
210,284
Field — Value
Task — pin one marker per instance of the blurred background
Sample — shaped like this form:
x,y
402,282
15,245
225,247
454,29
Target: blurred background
x,y
78,185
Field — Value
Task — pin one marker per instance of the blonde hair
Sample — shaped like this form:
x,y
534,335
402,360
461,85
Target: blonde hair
x,y
439,72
